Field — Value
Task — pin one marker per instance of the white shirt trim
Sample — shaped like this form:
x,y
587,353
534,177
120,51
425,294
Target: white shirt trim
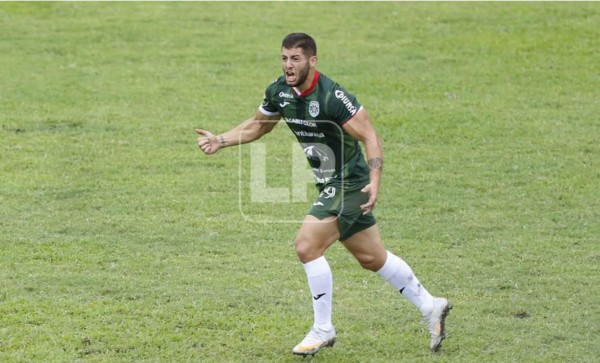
x,y
267,113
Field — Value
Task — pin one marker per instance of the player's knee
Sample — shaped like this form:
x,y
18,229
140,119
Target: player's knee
x,y
367,265
370,262
305,250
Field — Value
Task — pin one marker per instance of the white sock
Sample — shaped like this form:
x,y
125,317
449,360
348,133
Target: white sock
x,y
320,281
400,275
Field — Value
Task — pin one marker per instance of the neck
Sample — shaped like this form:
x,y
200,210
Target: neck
x,y
307,82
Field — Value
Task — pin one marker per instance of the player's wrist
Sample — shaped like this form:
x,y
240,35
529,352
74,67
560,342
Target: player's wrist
x,y
375,181
222,141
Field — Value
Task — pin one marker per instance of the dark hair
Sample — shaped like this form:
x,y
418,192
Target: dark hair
x,y
300,40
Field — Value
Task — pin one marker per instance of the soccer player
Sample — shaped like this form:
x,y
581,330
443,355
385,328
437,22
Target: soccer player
x,y
329,123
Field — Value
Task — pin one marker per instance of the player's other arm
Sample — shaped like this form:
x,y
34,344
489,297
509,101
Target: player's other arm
x,y
250,130
361,128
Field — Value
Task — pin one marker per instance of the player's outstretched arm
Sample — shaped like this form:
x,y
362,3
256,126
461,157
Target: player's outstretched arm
x,y
250,130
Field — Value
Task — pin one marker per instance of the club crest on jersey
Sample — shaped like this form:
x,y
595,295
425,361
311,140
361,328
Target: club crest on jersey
x,y
313,108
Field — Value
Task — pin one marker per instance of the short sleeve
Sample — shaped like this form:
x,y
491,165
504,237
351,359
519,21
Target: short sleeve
x,y
267,107
342,105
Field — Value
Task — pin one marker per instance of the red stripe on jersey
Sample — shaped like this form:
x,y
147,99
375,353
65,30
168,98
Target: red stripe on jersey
x,y
312,86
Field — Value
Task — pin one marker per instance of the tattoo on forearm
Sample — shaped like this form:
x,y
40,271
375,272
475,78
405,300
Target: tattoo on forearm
x,y
221,140
375,163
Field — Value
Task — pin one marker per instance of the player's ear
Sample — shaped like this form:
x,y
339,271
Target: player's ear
x,y
313,61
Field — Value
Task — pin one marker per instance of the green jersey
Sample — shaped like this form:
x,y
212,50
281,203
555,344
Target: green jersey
x,y
316,117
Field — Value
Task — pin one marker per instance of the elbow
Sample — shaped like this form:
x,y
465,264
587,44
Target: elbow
x,y
266,131
257,134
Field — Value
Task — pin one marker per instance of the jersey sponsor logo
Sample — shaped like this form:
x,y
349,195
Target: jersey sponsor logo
x,y
320,180
313,108
303,133
314,152
283,104
300,122
324,171
346,101
285,95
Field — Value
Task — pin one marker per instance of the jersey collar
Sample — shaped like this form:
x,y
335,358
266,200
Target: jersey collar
x,y
310,89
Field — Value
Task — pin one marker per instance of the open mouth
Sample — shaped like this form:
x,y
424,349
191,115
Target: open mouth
x,y
290,76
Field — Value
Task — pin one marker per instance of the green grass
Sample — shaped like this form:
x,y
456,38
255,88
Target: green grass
x,y
119,241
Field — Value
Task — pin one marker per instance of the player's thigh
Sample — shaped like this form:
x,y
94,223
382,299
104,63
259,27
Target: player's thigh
x,y
316,235
366,246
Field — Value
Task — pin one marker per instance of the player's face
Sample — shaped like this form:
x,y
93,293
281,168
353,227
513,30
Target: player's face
x,y
296,66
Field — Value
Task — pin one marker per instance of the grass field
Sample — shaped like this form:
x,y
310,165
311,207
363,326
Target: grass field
x,y
119,241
